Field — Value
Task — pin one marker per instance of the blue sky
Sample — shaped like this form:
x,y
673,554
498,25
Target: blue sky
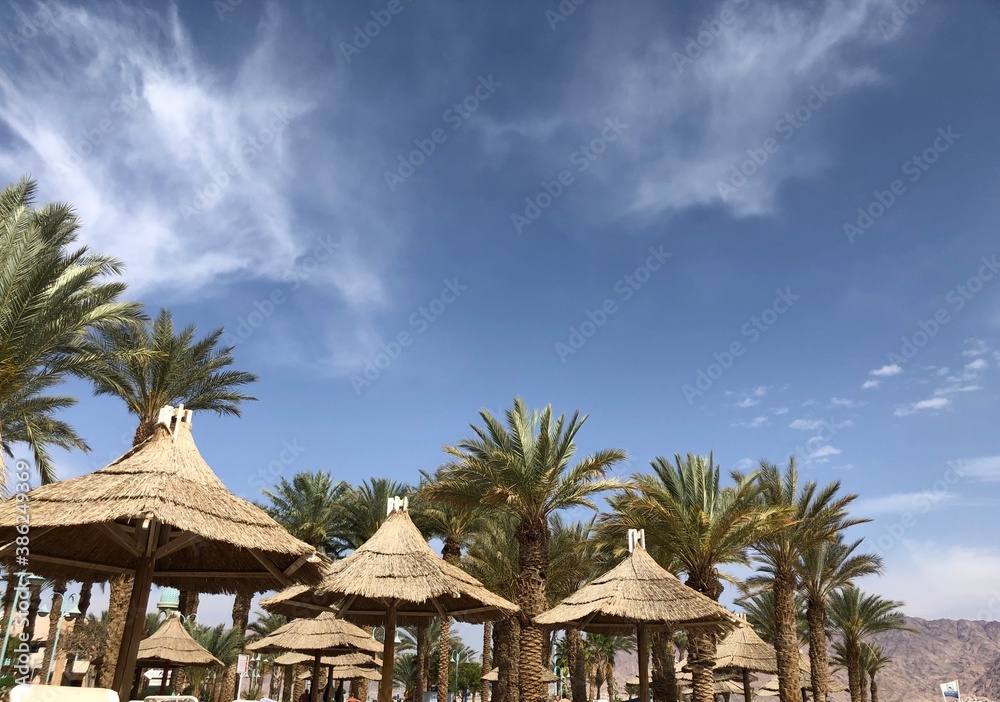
x,y
756,228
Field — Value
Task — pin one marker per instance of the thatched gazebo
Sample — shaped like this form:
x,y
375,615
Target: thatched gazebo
x,y
745,651
171,645
636,595
158,513
318,637
394,578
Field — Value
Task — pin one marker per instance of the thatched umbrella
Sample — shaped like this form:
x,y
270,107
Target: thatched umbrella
x,y
345,660
323,635
171,645
635,595
547,676
158,513
395,577
744,650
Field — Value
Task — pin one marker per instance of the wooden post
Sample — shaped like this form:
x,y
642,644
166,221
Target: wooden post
x,y
389,656
148,535
314,692
746,685
640,635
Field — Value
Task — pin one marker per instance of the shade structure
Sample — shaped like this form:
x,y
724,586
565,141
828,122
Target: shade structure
x,y
322,635
547,676
171,644
635,595
158,513
346,660
395,577
346,672
745,651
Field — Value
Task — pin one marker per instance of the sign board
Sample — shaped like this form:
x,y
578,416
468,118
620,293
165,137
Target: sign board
x,y
242,664
950,691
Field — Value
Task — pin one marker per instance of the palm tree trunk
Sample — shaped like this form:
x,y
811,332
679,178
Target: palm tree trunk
x,y
853,651
55,619
661,644
507,652
359,687
86,590
120,592
423,659
786,644
874,689
241,618
701,644
33,605
863,679
487,658
8,598
300,685
288,686
819,666
444,651
533,545
577,665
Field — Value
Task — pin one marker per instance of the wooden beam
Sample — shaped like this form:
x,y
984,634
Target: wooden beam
x,y
299,562
160,574
177,543
116,535
103,567
271,568
138,600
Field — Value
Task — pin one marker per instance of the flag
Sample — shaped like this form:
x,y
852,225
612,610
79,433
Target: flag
x,y
950,691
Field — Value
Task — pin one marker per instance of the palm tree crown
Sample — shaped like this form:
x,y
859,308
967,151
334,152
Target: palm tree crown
x,y
311,508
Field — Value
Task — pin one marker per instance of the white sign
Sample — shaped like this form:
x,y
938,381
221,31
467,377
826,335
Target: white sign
x,y
242,664
950,691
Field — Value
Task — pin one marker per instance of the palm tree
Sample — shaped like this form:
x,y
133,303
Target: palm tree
x,y
604,649
222,643
524,469
760,612
311,508
53,300
826,567
817,516
856,616
264,624
154,366
404,672
873,661
691,518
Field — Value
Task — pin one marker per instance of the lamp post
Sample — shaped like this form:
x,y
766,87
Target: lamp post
x,y
64,613
456,659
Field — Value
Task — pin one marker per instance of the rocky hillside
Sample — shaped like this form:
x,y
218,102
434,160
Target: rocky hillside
x,y
943,650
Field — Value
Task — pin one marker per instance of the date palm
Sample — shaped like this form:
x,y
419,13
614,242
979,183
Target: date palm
x,y
873,661
826,567
760,612
54,299
818,515
524,467
152,366
690,516
856,617
311,508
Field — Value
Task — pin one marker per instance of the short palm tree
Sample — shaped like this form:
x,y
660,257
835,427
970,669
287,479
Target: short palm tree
x,y
828,566
817,516
691,517
525,468
873,661
53,299
311,508
856,617
154,366
604,649
405,672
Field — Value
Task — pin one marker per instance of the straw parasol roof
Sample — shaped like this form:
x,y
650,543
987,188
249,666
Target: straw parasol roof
x,y
743,648
395,564
634,595
84,528
160,514
636,590
355,660
348,672
171,644
547,676
322,635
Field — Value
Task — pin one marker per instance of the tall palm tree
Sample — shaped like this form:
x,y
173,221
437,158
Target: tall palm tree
x,y
856,616
53,299
152,366
604,650
241,621
525,469
828,566
264,624
311,508
760,612
691,517
817,516
873,661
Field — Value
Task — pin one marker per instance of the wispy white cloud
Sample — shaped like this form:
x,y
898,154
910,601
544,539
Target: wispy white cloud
x,y
806,424
977,365
984,468
754,423
886,371
869,384
844,402
823,454
779,411
975,347
902,502
933,403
